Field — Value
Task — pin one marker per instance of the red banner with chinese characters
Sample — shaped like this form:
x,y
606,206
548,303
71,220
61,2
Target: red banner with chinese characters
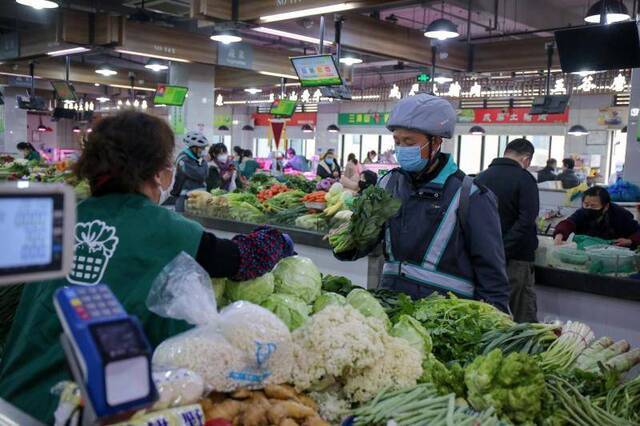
x,y
298,119
516,116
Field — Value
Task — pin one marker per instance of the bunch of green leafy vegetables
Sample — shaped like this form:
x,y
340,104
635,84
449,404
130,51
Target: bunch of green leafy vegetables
x,y
514,385
300,183
456,325
260,181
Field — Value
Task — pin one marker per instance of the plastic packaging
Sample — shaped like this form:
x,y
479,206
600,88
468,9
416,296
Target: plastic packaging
x,y
191,415
572,256
244,345
612,260
177,387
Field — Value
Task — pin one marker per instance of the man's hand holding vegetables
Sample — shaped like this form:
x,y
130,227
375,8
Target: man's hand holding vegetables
x,y
446,236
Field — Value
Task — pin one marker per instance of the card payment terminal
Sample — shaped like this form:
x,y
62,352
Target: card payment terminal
x,y
109,348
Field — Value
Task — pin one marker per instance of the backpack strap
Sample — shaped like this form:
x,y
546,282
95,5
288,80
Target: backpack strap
x,y
463,205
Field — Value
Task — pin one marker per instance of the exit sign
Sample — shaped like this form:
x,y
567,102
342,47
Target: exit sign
x,y
423,78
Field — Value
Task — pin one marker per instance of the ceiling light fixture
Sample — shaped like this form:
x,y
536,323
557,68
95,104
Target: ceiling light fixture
x,y
253,90
39,4
333,128
226,37
69,51
106,70
122,86
151,55
41,127
350,60
223,128
248,128
154,64
615,11
306,128
578,130
340,7
277,74
476,130
585,73
293,36
75,129
441,79
441,29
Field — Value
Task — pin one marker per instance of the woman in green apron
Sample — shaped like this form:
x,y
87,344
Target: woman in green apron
x,y
29,152
123,238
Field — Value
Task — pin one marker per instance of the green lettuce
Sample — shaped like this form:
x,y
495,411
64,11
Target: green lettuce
x,y
514,385
290,309
367,304
327,299
219,285
298,276
413,332
254,291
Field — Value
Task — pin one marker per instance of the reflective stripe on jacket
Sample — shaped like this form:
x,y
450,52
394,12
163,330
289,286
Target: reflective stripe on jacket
x,y
426,249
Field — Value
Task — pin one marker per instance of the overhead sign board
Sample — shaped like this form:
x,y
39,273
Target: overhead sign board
x,y
236,55
363,118
516,116
9,45
423,78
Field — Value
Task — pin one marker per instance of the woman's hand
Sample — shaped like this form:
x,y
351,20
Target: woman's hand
x,y
557,240
623,242
336,174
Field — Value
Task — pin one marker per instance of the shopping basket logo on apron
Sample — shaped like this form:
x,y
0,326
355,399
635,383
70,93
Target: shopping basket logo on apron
x,y
95,244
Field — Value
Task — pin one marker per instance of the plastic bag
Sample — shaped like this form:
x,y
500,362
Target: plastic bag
x,y
177,387
244,345
624,191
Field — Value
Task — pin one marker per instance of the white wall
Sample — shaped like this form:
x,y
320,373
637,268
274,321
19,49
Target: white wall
x,y
15,120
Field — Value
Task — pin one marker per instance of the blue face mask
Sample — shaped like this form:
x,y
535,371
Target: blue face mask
x,y
410,158
329,161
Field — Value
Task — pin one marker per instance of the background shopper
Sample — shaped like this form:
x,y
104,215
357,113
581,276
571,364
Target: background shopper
x,y
568,176
222,169
518,206
328,167
548,173
191,168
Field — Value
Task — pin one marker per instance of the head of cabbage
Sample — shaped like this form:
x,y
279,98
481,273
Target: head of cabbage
x,y
290,309
326,299
298,276
412,331
255,291
367,304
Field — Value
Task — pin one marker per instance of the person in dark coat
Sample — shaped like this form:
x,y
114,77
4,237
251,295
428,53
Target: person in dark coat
x,y
600,218
568,176
328,167
446,236
548,173
518,205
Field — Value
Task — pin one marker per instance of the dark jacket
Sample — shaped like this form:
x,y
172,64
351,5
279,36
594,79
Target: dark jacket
x,y
616,223
518,205
426,248
569,179
547,174
326,171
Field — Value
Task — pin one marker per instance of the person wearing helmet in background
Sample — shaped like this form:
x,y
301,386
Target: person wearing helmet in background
x,y
446,236
191,168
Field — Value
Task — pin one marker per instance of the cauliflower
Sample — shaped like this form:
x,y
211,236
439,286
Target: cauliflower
x,y
399,368
336,339
341,345
332,405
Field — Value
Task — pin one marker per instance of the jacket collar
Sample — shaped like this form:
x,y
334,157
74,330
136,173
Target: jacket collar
x,y
503,161
449,168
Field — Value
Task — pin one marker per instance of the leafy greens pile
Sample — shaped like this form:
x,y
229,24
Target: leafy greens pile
x,y
370,211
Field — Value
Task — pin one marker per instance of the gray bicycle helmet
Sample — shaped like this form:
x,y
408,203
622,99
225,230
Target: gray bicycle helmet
x,y
424,113
195,139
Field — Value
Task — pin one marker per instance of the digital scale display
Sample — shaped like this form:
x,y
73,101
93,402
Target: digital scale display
x,y
31,227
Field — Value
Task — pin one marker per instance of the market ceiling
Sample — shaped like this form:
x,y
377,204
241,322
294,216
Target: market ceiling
x,y
497,35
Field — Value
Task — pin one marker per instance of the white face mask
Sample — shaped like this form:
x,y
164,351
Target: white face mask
x,y
222,158
166,193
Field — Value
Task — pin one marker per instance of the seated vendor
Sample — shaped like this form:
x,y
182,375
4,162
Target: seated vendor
x,y
600,218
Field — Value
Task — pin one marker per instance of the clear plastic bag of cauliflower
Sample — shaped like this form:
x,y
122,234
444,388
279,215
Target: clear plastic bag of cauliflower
x,y
242,346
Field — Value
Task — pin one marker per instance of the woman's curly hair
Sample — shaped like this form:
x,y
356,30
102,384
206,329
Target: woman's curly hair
x,y
124,151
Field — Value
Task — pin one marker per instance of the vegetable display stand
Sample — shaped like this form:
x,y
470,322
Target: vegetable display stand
x,y
608,304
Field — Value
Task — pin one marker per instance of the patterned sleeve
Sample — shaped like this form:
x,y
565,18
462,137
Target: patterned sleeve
x,y
259,252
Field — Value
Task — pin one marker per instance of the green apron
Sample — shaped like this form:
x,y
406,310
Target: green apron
x,y
33,156
123,240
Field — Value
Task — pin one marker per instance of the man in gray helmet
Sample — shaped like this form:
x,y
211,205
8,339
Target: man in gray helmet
x,y
446,236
